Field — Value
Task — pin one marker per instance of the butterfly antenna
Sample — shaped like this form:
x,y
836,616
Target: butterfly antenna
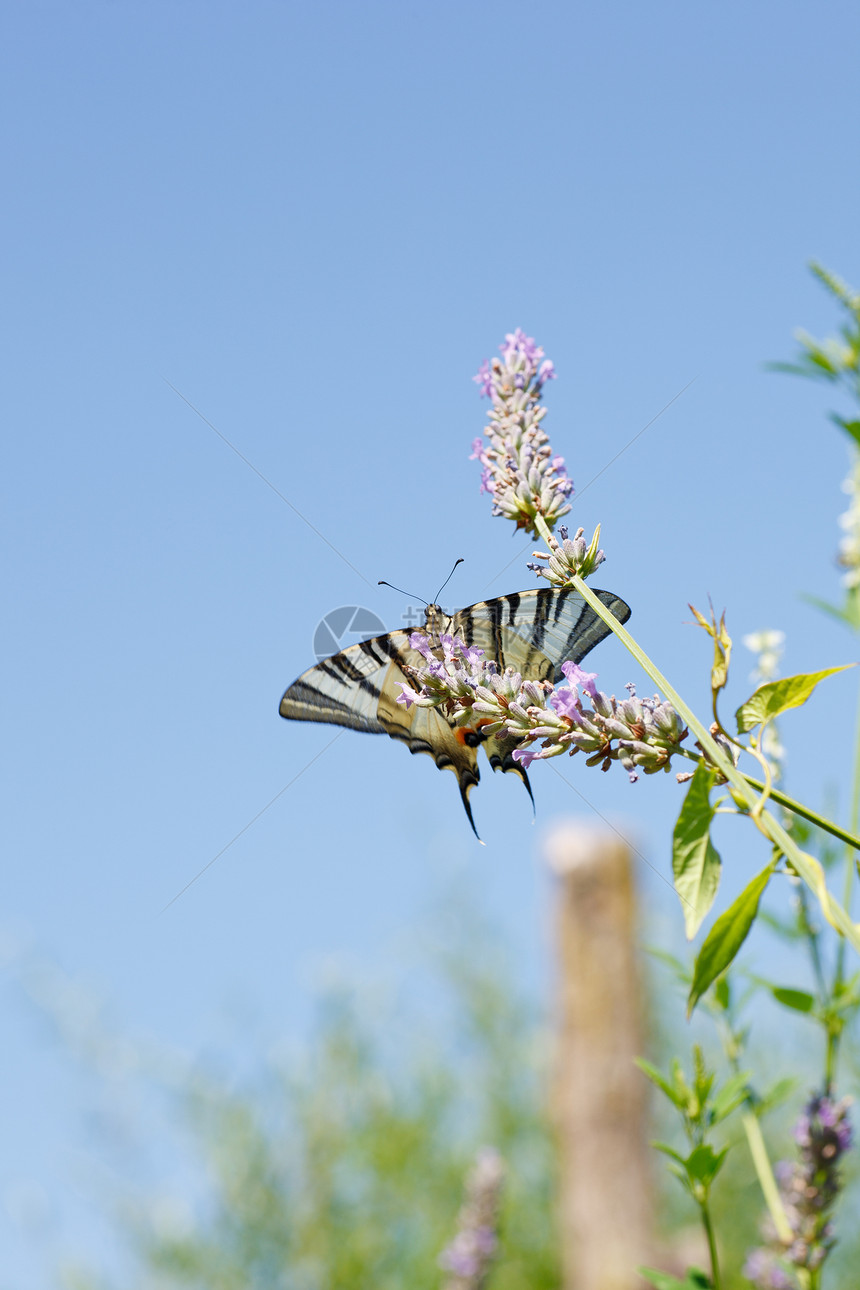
x,y
383,583
447,580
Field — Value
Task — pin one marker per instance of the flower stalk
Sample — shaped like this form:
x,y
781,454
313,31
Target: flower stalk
x,y
807,868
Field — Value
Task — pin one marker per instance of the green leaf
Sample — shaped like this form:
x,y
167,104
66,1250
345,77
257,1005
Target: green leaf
x,y
723,993
703,1163
670,1152
799,1000
656,1077
850,427
731,1095
776,1094
695,1279
845,614
695,860
722,646
774,697
845,995
726,937
679,969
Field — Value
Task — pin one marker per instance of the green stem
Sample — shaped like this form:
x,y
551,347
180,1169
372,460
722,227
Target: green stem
x,y
839,974
811,935
797,808
712,1245
830,1060
807,868
767,1182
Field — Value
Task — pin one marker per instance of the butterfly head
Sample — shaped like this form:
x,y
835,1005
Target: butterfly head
x,y
436,621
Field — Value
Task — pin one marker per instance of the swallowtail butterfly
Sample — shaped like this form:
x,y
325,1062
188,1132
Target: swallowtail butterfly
x,y
531,631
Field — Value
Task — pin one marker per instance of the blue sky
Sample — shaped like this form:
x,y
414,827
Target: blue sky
x,y
314,222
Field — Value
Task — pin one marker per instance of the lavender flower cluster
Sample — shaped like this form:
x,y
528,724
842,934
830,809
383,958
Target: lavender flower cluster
x,y
642,734
519,469
470,1254
808,1187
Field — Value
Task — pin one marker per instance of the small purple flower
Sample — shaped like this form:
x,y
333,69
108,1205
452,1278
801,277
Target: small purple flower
x,y
471,654
576,676
525,756
407,694
484,378
420,642
566,703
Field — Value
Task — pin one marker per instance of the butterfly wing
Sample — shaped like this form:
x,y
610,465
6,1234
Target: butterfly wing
x,y
536,631
359,688
532,631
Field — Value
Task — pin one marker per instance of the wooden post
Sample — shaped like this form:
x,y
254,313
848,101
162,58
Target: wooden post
x,y
600,1097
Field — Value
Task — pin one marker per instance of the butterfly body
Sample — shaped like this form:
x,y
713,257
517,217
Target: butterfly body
x,y
531,631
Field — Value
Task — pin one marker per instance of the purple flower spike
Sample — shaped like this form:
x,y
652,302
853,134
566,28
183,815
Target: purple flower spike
x,y
520,471
809,1187
471,1252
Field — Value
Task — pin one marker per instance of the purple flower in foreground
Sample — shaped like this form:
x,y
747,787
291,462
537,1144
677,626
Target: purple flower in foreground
x,y
407,695
576,676
808,1188
642,734
470,1254
763,1270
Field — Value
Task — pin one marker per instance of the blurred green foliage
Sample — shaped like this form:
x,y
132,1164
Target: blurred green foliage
x,y
342,1166
345,1168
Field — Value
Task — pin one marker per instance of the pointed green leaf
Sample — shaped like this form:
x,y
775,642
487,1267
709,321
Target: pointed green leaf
x,y
703,1163
726,937
656,1077
695,860
722,646
775,697
731,1095
799,1000
679,970
850,427
846,614
776,1094
670,1152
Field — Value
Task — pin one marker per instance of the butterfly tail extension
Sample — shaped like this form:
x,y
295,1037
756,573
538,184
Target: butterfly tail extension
x,y
466,787
500,754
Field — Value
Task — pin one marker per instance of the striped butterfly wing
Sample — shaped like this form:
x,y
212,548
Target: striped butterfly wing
x,y
536,631
532,631
359,688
